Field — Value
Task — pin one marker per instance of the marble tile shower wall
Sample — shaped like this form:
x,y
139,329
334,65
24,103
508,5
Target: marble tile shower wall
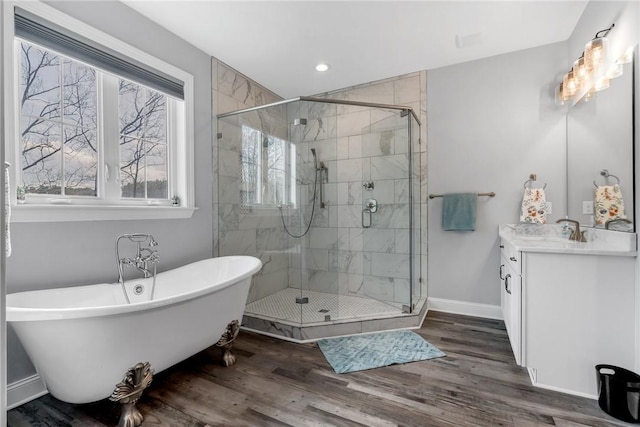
x,y
361,144
357,144
237,232
340,256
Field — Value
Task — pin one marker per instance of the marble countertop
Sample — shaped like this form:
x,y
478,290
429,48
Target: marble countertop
x,y
549,238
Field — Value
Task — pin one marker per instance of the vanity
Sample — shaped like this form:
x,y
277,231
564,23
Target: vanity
x,y
567,305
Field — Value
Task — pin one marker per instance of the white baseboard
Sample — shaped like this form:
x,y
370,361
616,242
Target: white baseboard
x,y
463,307
25,390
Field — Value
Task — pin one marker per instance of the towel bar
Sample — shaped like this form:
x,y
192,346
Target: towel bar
x,y
532,178
491,194
606,175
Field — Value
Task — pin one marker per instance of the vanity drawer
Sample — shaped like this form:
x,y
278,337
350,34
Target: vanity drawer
x,y
512,256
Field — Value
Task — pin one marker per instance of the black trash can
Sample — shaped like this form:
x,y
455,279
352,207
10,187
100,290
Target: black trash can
x,y
619,392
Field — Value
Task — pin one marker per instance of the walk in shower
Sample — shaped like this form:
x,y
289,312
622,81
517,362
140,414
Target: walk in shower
x,y
327,194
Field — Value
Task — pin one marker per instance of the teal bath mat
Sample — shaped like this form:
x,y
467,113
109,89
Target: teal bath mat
x,y
361,352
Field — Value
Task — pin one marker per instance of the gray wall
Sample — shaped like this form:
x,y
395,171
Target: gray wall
x,y
491,123
47,255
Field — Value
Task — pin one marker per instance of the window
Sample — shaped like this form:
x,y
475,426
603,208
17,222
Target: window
x,y
58,145
264,178
143,142
60,124
93,129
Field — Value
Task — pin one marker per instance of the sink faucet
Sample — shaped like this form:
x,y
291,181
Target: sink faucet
x,y
576,235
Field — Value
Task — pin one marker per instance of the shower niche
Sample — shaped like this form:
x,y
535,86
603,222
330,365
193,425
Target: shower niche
x,y
296,183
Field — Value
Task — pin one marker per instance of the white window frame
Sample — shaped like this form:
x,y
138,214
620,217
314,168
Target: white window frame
x,y
52,209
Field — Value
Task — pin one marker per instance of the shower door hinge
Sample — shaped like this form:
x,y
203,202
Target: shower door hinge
x,y
419,279
219,135
419,141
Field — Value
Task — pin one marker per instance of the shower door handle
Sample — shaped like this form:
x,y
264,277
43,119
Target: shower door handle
x,y
366,212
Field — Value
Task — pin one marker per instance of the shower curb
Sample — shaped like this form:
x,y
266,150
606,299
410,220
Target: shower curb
x,y
310,333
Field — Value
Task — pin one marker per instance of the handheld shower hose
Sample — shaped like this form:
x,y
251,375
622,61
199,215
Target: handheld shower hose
x,y
313,204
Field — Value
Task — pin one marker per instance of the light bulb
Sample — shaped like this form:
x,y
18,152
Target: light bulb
x,y
579,70
569,84
561,95
322,67
595,53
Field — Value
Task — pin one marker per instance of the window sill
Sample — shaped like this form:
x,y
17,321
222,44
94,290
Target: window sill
x,y
66,213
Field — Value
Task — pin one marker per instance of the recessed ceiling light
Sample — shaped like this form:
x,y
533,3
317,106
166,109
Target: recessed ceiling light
x,y
322,67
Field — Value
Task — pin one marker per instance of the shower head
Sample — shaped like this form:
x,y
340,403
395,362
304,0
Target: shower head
x,y
315,158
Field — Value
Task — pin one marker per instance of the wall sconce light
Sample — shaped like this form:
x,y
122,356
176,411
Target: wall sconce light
x,y
587,76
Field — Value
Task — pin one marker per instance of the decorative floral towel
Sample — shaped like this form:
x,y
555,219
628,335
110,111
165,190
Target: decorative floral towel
x,y
608,203
534,206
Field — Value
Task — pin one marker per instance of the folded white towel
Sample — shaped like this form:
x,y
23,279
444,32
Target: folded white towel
x,y
7,211
534,206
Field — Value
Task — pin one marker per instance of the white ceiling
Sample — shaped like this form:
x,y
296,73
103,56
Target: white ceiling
x,y
278,43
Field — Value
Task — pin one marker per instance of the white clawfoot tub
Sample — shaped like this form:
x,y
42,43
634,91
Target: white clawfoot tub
x,y
83,339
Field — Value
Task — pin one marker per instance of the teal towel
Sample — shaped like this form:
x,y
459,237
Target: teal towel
x,y
459,212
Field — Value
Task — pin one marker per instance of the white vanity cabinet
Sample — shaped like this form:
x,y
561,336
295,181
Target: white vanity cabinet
x,y
511,297
579,311
566,309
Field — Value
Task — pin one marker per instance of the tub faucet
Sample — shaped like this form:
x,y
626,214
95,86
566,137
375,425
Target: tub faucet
x,y
144,255
576,235
142,261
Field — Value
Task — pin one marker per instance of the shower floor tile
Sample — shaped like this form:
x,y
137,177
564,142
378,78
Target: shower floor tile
x,y
282,306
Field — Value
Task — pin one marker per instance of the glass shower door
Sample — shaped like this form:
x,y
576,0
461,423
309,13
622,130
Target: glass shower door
x,y
313,133
386,211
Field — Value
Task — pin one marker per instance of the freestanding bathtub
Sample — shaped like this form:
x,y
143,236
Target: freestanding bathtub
x,y
83,339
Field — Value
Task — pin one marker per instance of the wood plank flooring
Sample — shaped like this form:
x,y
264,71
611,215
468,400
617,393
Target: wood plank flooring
x,y
277,383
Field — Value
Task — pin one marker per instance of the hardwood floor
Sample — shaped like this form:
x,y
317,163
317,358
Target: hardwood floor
x,y
277,383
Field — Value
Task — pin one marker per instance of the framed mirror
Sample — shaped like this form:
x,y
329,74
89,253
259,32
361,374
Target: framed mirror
x,y
600,152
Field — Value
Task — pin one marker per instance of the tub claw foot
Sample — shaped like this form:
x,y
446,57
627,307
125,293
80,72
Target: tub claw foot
x,y
130,416
129,390
226,342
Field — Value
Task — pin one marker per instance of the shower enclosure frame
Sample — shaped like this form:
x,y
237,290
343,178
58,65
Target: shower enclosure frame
x,y
415,276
